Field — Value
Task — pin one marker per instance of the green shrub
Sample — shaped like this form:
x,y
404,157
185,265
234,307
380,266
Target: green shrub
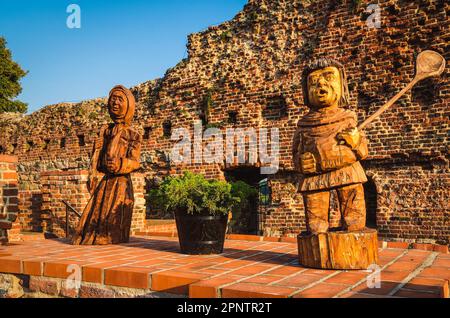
x,y
242,212
193,193
243,191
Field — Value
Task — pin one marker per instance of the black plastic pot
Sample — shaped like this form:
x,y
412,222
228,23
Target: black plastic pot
x,y
201,234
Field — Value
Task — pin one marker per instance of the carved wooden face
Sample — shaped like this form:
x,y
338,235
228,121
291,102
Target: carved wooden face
x,y
324,87
117,105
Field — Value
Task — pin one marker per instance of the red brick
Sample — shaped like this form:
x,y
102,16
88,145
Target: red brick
x,y
403,245
286,270
321,290
394,276
250,270
128,277
34,268
262,279
319,272
348,278
234,264
11,265
436,272
8,159
390,253
208,288
243,290
58,269
175,282
421,246
403,266
300,280
9,175
243,237
92,274
441,262
441,249
162,234
271,239
439,286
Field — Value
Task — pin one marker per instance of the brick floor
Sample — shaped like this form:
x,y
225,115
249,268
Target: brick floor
x,y
247,268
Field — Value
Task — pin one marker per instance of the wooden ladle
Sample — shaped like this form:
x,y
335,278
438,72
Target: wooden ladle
x,y
428,64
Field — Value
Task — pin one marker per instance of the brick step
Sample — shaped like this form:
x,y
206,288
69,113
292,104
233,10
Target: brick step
x,y
245,269
287,239
161,226
32,236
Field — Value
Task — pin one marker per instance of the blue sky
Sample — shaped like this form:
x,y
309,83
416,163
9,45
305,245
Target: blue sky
x,y
119,42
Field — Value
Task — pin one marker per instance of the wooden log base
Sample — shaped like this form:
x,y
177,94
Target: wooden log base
x,y
338,250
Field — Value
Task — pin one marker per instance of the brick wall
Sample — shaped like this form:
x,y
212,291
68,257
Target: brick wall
x,y
412,201
70,186
138,219
9,227
249,68
30,202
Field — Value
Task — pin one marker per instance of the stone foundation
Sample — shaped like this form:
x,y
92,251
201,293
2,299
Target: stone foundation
x,y
26,286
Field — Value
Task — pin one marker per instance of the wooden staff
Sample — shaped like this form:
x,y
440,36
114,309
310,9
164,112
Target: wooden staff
x,y
428,64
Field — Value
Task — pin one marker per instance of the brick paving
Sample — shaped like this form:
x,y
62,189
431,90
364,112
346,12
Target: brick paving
x,y
258,268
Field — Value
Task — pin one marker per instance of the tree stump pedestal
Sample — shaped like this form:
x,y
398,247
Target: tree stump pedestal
x,y
338,250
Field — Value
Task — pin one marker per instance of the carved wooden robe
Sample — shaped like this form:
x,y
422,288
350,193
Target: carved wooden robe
x,y
107,217
337,167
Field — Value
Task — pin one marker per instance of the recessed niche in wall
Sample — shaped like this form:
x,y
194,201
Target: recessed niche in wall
x,y
62,143
46,143
371,197
275,108
147,132
2,150
167,128
29,145
232,117
81,141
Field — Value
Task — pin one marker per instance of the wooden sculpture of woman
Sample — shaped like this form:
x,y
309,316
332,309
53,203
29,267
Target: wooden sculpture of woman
x,y
106,218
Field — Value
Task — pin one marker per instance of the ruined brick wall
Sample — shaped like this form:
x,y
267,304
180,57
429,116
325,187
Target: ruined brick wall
x,y
247,73
9,227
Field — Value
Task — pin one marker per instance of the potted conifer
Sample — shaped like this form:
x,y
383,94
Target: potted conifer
x,y
201,209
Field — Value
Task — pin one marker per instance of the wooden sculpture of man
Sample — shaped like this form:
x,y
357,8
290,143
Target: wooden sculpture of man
x,y
106,218
327,148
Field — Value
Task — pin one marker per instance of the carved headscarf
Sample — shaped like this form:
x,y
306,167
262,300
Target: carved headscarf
x,y
130,105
